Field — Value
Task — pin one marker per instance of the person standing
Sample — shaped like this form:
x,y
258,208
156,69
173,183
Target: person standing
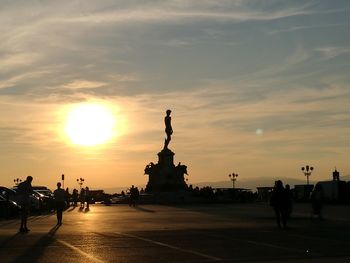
x,y
87,198
136,196
24,192
289,200
82,198
75,197
60,198
317,199
279,203
68,195
132,196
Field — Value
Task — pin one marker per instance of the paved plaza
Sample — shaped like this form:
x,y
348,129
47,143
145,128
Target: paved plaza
x,y
201,233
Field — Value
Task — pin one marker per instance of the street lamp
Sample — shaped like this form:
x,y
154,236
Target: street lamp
x,y
233,178
307,170
80,181
17,181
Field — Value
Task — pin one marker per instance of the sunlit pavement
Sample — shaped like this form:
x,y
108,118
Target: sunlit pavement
x,y
202,233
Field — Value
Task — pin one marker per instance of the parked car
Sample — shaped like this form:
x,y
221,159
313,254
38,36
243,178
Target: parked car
x,y
8,208
46,199
34,199
8,193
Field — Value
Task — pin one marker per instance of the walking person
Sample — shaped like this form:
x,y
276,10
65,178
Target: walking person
x,y
68,195
87,198
132,196
289,200
317,199
136,196
279,203
24,192
75,197
60,202
82,198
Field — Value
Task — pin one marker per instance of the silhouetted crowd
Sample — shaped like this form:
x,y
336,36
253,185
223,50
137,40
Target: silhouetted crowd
x,y
280,199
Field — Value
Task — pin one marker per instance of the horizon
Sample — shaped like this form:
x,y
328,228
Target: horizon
x,y
258,88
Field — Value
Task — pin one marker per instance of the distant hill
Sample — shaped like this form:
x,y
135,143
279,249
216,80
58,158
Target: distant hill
x,y
252,183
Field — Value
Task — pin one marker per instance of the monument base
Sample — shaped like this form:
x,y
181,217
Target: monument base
x,y
165,176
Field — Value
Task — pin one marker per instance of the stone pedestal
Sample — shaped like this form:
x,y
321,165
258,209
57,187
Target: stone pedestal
x,y
165,176
166,159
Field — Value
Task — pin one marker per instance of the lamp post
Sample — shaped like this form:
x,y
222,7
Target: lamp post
x,y
233,178
17,181
307,170
80,181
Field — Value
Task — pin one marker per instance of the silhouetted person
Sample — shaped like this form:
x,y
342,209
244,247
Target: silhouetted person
x,y
289,200
24,192
75,197
168,129
133,195
317,199
68,197
82,198
279,203
87,198
60,198
136,196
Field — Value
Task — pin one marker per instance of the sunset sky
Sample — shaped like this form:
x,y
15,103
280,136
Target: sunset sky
x,y
259,88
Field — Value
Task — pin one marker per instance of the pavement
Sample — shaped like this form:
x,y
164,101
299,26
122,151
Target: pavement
x,y
191,233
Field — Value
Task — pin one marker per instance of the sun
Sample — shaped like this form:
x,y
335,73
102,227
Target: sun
x,y
90,124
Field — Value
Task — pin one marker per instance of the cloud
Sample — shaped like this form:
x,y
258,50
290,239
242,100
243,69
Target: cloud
x,y
83,84
172,11
332,51
310,27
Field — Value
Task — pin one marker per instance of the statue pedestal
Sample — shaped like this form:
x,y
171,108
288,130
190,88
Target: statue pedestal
x,y
166,158
165,176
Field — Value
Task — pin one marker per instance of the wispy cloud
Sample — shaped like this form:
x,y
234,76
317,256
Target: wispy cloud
x,y
310,27
332,51
171,11
83,84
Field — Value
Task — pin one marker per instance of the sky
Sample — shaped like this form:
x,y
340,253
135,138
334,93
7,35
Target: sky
x,y
256,87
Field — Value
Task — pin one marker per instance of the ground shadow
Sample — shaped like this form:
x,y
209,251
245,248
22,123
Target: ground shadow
x,y
8,240
71,209
144,209
33,253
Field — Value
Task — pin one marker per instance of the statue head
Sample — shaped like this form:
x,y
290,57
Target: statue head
x,y
168,112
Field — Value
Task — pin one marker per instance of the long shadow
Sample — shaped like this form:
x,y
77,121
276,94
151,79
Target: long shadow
x,y
144,209
71,209
8,240
9,222
34,218
33,253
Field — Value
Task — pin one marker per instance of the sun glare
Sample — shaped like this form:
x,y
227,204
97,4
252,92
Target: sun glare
x,y
90,124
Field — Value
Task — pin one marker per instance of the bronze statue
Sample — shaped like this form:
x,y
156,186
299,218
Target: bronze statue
x,y
168,129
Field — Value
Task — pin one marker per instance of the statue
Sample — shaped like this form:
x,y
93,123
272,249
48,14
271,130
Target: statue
x,y
164,176
168,129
